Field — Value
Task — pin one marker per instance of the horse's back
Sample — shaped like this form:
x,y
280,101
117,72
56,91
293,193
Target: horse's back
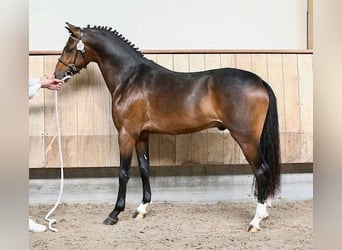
x,y
188,102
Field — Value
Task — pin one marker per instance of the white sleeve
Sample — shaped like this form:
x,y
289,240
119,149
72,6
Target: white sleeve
x,y
34,86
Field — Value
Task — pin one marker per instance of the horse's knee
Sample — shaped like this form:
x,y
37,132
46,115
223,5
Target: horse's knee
x,y
123,177
144,172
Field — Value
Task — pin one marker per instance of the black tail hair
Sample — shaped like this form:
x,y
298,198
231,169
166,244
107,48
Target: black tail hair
x,y
270,144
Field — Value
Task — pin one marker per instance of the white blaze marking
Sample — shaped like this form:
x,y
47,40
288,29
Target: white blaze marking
x,y
145,157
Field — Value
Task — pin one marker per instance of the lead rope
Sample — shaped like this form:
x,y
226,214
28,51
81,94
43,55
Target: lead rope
x,y
53,221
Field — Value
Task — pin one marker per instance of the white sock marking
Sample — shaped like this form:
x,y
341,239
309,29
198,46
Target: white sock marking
x,y
269,202
260,214
142,208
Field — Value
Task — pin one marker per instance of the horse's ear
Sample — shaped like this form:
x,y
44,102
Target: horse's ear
x,y
71,28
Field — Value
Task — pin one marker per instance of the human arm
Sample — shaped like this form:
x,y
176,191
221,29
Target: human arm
x,y
45,82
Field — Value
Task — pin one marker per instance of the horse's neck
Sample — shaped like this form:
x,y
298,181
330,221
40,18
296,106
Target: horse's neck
x,y
116,60
114,65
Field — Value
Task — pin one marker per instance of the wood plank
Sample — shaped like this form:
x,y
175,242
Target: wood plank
x,y
306,92
165,60
68,109
68,119
49,98
154,149
114,151
103,122
167,150
212,61
52,154
275,79
36,152
291,94
292,109
232,150
93,150
196,62
70,155
167,153
183,142
293,147
198,51
181,63
102,111
283,149
228,60
244,62
152,57
306,147
224,51
36,116
36,104
259,65
86,91
67,103
102,102
85,103
306,105
50,127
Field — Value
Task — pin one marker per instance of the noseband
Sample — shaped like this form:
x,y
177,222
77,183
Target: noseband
x,y
80,49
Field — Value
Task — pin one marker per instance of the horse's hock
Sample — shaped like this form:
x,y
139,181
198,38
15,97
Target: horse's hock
x,y
89,137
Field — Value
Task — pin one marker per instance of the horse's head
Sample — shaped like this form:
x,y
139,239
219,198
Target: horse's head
x,y
74,56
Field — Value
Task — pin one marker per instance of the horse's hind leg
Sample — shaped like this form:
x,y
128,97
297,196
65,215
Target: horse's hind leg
x,y
141,147
250,147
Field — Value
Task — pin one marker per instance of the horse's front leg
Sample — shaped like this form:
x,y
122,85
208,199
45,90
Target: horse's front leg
x,y
141,147
126,144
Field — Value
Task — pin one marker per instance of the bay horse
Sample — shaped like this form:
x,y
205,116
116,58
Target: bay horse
x,y
148,98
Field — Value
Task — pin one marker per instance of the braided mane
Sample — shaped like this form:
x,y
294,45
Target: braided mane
x,y
117,34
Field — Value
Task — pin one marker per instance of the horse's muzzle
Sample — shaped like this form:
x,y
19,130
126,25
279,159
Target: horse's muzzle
x,y
64,77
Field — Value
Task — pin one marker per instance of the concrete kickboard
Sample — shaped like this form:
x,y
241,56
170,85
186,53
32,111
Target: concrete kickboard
x,y
192,189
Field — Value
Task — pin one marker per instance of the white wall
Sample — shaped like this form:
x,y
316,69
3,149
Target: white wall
x,y
175,24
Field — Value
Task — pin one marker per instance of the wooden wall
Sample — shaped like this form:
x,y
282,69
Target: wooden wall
x,y
89,138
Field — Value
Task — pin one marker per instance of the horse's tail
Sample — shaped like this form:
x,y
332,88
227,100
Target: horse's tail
x,y
269,144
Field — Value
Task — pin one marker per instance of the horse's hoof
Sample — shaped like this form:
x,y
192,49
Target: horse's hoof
x,y
139,216
253,229
110,221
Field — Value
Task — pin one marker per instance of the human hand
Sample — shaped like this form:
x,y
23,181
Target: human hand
x,y
51,83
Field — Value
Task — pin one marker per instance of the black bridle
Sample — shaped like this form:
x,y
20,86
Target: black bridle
x,y
80,49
